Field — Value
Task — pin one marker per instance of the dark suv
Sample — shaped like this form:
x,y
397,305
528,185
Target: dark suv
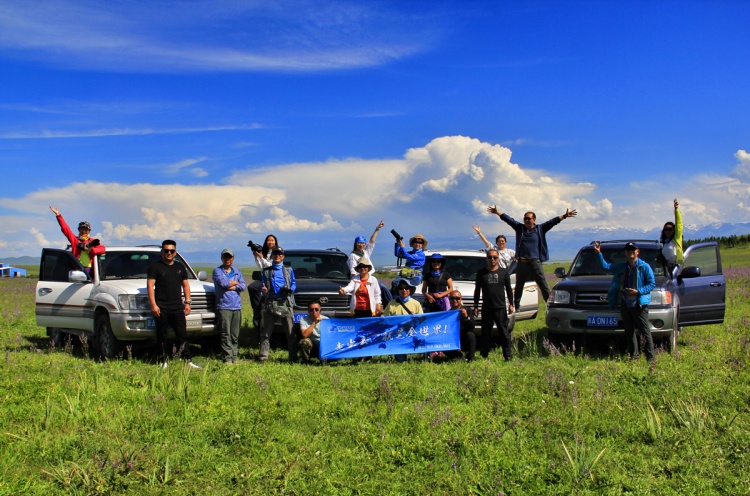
x,y
693,295
319,275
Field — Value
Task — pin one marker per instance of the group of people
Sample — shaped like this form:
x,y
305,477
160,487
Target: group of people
x,y
169,291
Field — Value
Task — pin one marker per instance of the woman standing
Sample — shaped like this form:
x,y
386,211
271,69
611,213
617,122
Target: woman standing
x,y
436,285
264,259
671,239
366,290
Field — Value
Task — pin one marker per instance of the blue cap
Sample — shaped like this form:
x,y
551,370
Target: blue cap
x,y
360,239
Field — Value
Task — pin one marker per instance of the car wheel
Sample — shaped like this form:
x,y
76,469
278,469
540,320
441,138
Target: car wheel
x,y
56,336
107,345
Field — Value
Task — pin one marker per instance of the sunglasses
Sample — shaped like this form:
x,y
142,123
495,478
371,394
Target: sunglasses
x,y
168,251
489,257
315,309
528,218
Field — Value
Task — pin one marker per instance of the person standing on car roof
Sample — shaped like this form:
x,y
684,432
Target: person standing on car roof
x,y
437,284
493,284
362,248
278,286
84,247
501,245
531,248
632,283
263,259
671,239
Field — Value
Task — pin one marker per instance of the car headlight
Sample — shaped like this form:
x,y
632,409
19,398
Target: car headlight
x,y
661,297
559,297
134,302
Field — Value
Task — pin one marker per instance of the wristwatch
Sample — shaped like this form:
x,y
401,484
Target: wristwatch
x,y
188,302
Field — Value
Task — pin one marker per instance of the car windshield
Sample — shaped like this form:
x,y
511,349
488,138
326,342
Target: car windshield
x,y
131,264
319,266
587,263
462,268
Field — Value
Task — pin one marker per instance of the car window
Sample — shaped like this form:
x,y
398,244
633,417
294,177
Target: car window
x,y
57,264
464,268
704,257
131,264
329,266
587,263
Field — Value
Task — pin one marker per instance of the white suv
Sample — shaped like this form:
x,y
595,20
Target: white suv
x,y
111,304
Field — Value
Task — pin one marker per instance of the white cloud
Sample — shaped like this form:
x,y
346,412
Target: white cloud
x,y
98,133
212,36
440,190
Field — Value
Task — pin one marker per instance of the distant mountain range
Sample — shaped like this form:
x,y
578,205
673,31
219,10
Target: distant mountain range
x,y
563,244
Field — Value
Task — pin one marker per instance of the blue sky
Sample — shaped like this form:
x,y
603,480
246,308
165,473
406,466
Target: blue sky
x,y
216,122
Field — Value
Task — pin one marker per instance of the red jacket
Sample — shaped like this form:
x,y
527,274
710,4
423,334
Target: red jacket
x,y
73,240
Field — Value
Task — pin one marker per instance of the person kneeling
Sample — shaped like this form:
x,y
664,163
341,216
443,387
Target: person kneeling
x,y
309,326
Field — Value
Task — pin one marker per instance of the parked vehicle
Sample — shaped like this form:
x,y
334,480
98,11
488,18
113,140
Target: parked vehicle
x,y
463,266
319,275
110,306
694,294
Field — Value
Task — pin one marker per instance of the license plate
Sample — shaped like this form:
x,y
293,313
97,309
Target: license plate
x,y
601,321
298,316
150,324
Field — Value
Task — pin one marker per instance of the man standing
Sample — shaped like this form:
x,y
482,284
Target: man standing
x,y
310,330
229,285
632,282
493,283
169,295
531,248
468,338
278,285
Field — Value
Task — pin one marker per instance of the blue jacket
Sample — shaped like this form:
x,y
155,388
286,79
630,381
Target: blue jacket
x,y
645,281
541,230
225,299
414,258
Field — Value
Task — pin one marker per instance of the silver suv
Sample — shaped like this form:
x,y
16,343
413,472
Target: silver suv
x,y
695,294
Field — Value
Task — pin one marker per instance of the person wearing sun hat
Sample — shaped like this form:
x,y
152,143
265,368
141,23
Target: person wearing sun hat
x,y
403,304
365,288
84,247
414,260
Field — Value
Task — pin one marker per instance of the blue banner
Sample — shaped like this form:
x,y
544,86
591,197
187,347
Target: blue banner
x,y
397,335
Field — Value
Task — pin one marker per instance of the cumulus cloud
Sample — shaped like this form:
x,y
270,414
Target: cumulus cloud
x,y
439,190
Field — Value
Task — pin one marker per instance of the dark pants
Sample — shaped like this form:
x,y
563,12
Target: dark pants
x,y
385,295
175,319
287,323
308,349
526,271
635,322
469,344
490,318
255,297
358,314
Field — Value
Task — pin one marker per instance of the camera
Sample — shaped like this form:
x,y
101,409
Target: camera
x,y
254,247
87,245
396,235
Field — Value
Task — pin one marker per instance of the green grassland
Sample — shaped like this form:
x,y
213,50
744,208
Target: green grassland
x,y
550,422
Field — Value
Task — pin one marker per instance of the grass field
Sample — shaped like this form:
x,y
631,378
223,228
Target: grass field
x,y
549,422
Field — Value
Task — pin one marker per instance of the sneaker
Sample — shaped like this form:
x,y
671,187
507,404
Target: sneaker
x,y
194,366
164,365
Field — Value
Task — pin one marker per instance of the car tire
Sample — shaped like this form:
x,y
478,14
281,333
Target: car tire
x,y
56,336
107,345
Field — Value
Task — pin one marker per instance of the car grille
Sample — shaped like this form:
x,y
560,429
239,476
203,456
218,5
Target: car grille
x,y
326,301
203,302
591,299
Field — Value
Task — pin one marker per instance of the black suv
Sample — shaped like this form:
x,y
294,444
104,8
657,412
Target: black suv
x,y
319,275
694,294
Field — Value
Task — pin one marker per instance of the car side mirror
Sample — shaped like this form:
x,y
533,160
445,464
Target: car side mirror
x,y
77,276
202,275
560,272
689,272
